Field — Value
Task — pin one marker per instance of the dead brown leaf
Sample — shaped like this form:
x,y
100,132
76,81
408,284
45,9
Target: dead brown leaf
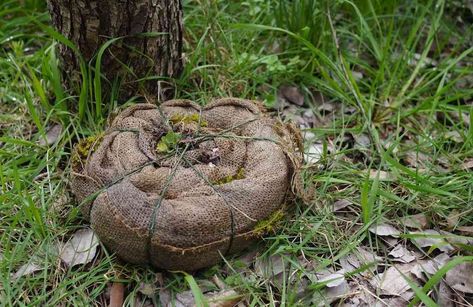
x,y
383,176
341,204
51,135
460,277
402,254
467,164
391,242
147,289
453,218
224,298
417,221
332,279
313,153
431,238
392,281
165,297
26,269
358,258
184,299
272,268
336,287
417,159
445,295
292,94
80,249
468,230
385,230
430,266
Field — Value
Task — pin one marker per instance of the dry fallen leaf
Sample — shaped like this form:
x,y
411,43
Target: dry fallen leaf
x,y
309,118
184,299
272,269
417,221
431,266
360,257
453,218
383,176
300,117
224,298
392,302
331,279
336,292
314,153
460,277
385,230
392,281
326,107
147,289
390,241
417,160
292,94
444,295
341,204
117,294
431,238
361,295
358,76
51,135
26,269
467,164
336,287
456,239
268,267
362,141
468,230
402,254
165,297
80,249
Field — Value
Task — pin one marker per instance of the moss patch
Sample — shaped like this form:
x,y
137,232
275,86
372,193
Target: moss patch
x,y
84,148
187,119
269,225
239,175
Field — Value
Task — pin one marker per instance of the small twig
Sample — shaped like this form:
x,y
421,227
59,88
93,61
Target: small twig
x,y
117,294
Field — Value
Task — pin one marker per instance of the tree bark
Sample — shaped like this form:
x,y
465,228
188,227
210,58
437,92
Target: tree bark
x,y
91,23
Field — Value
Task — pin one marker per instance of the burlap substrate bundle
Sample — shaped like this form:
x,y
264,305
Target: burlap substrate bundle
x,y
183,208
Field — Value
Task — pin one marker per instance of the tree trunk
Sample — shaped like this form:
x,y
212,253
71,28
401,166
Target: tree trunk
x,y
91,23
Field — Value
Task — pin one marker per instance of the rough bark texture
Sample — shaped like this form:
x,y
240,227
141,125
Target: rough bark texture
x,y
91,23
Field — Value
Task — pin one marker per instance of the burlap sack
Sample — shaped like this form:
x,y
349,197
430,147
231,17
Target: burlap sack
x,y
182,208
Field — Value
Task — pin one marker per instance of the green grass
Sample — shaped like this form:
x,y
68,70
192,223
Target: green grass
x,y
407,106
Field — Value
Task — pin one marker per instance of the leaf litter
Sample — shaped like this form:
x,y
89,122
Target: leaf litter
x,y
408,263
52,135
341,204
222,298
460,277
402,254
417,221
431,238
26,269
80,249
384,230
